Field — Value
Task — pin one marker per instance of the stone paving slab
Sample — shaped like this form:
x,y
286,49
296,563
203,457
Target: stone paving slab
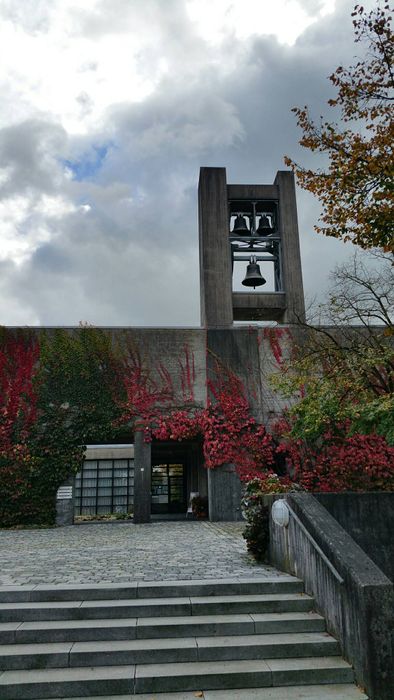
x,y
124,552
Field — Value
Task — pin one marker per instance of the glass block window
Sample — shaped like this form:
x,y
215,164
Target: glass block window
x,y
105,486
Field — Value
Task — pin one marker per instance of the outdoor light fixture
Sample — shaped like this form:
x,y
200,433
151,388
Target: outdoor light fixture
x,y
280,513
253,277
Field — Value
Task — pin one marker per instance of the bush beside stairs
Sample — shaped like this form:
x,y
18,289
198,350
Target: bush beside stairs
x,y
223,639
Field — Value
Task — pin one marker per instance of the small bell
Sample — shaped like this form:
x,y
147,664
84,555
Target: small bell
x,y
240,227
265,227
253,277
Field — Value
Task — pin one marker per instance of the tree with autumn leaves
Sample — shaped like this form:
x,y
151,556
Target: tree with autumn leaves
x,y
338,433
356,189
338,429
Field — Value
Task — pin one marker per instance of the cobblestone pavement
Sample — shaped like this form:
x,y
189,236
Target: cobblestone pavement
x,y
125,552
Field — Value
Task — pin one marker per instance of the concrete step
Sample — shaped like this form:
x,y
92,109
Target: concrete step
x,y
332,691
337,691
241,674
143,651
149,589
213,625
155,607
276,602
151,628
67,682
153,678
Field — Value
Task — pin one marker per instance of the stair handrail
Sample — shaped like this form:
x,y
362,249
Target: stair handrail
x,y
316,546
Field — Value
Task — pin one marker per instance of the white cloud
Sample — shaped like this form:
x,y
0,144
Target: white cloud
x,y
285,19
18,239
110,107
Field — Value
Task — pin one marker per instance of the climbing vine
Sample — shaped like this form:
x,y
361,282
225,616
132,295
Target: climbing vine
x,y
61,390
57,392
228,431
18,414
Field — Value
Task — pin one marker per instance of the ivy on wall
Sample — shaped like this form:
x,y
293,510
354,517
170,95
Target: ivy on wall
x,y
18,415
229,433
60,390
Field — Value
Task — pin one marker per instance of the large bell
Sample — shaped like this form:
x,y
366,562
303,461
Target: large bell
x,y
240,227
253,277
264,228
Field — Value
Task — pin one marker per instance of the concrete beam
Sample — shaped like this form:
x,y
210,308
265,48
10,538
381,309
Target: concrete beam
x,y
253,192
265,306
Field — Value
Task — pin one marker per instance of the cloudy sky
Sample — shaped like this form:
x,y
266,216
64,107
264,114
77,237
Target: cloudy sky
x,y
109,108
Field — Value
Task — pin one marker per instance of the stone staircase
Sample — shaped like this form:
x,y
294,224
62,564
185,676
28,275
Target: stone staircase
x,y
142,638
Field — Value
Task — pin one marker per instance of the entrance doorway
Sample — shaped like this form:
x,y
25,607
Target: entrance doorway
x,y
177,470
169,488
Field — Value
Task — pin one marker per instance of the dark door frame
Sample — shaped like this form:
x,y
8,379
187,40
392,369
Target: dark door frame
x,y
171,452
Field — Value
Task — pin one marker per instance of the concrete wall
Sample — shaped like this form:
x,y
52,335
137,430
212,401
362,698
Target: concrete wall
x,y
224,494
352,593
167,347
237,350
244,350
369,520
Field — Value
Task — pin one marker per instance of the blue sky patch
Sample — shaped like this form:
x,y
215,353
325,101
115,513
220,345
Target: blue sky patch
x,y
89,164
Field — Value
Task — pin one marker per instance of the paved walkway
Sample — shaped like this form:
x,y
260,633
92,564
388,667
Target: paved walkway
x,y
124,552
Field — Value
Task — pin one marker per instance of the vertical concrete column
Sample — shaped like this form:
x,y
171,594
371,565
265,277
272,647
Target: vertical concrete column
x,y
291,258
224,494
215,257
142,479
65,503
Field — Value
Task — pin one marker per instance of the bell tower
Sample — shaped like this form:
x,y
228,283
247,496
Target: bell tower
x,y
256,225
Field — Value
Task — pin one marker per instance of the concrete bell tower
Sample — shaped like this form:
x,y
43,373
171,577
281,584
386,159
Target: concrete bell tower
x,y
255,224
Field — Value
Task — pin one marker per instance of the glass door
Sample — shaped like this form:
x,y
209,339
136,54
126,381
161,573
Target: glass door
x,y
168,488
160,489
176,488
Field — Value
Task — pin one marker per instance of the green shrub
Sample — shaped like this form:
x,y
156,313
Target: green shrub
x,y
257,512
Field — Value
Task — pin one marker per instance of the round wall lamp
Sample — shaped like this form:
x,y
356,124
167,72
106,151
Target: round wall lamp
x,y
280,513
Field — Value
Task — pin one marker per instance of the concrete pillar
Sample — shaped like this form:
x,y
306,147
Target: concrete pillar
x,y
224,494
215,256
65,503
142,479
291,258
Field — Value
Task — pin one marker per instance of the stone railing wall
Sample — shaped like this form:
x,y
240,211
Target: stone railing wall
x,y
354,595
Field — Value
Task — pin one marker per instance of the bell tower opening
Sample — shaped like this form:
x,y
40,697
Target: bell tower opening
x,y
254,225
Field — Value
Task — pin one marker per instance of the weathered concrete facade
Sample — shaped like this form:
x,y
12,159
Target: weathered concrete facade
x,y
248,353
270,230
369,519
